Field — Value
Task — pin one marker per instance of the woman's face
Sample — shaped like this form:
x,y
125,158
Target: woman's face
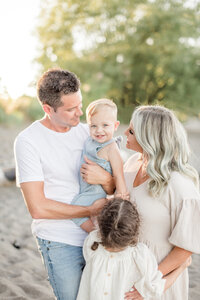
x,y
131,140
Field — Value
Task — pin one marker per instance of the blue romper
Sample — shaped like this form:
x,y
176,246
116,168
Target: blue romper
x,y
89,193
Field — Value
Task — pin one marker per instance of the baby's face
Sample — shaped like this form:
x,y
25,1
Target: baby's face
x,y
103,124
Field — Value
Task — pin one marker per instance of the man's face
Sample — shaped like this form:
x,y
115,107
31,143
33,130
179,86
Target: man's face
x,y
68,115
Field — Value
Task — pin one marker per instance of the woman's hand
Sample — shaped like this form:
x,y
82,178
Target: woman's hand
x,y
133,294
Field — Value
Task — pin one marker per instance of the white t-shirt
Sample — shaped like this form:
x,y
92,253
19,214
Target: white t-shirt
x,y
53,157
109,275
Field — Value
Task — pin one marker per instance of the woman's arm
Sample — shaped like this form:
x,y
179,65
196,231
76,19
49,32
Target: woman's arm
x,y
173,260
171,267
170,279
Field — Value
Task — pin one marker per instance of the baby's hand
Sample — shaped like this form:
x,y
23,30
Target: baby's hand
x,y
123,196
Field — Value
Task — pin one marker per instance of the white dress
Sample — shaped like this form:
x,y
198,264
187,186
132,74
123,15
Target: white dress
x,y
109,275
171,220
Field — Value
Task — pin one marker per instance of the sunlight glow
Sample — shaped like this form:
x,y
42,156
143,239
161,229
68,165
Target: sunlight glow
x,y
18,46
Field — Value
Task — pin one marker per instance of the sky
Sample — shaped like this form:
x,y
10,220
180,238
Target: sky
x,y
18,46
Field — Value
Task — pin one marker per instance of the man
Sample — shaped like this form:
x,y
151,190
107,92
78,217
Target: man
x,y
47,156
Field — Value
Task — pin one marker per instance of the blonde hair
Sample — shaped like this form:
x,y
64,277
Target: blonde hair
x,y
164,143
97,105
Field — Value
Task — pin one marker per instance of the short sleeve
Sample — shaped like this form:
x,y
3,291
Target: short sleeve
x,y
186,223
28,165
90,239
150,284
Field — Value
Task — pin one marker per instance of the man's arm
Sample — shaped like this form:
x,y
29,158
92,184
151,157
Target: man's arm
x,y
92,173
42,208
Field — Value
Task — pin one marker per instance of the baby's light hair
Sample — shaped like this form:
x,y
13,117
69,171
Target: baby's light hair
x,y
97,105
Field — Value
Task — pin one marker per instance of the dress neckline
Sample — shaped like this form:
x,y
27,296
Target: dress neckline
x,y
140,185
137,186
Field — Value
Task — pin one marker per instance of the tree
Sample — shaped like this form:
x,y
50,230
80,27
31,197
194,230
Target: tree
x,y
135,52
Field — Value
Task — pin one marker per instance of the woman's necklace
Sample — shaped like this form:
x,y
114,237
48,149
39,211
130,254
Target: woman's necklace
x,y
141,176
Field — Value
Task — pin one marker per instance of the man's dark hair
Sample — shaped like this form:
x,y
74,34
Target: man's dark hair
x,y
54,84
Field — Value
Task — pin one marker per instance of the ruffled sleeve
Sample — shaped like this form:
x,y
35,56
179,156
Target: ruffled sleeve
x,y
90,239
185,219
150,283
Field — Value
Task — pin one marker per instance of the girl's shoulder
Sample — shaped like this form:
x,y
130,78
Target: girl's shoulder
x,y
92,237
143,256
141,248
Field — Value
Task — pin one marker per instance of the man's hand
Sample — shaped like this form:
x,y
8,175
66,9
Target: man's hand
x,y
133,294
97,206
92,173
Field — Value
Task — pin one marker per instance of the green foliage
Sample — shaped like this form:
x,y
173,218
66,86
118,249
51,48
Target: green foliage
x,y
23,109
7,116
2,114
29,108
134,52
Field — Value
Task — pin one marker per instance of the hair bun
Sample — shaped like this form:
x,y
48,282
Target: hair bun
x,y
94,246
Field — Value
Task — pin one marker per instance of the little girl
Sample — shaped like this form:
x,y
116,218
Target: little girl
x,y
115,261
101,148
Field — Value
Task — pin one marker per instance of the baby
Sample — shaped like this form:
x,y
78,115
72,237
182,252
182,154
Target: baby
x,y
101,148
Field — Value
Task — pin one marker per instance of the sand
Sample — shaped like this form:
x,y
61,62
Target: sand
x,y
22,274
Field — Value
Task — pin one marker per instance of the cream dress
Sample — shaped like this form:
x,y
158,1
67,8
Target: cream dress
x,y
171,220
109,275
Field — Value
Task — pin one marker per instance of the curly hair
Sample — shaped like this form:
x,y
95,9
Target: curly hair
x,y
55,83
164,143
118,224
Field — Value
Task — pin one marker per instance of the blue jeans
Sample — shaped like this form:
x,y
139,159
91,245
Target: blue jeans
x,y
64,264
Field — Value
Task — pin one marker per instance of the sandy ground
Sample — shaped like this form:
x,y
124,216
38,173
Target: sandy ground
x,y
22,274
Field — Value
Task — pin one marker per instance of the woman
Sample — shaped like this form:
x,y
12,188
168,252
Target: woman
x,y
165,189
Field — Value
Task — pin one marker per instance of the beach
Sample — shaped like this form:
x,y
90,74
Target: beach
x,y
22,274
